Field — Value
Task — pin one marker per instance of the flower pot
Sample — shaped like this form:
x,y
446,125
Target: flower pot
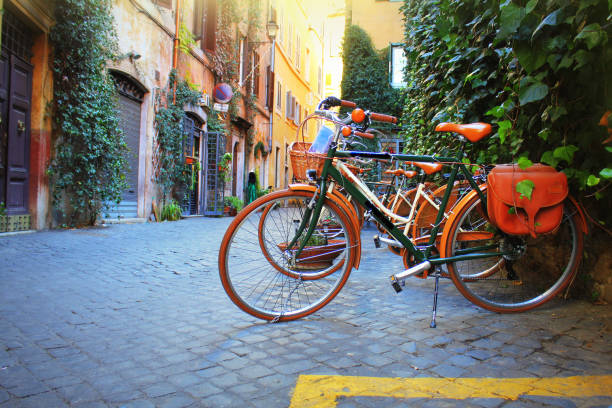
x,y
317,256
189,160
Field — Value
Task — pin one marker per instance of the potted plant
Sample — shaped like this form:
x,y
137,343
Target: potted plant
x,y
224,168
195,171
171,212
319,251
234,203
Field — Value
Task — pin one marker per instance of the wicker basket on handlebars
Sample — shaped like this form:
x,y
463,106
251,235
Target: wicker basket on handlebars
x,y
303,160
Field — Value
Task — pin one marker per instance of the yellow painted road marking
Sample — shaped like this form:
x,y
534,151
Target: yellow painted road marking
x,y
318,391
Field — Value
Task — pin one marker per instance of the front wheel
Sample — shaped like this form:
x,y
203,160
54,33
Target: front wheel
x,y
262,276
531,272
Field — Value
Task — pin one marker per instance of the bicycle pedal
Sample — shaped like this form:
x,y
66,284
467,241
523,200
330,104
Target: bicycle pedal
x,y
377,241
396,285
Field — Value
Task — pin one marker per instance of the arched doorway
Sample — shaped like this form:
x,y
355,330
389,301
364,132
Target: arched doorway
x,y
130,97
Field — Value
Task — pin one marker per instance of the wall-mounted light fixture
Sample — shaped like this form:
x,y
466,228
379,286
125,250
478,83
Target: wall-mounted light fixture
x,y
132,55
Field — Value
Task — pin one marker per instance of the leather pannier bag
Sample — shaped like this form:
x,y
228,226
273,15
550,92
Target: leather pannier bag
x,y
514,215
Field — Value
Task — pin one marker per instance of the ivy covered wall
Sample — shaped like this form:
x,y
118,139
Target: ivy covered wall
x,y
88,166
539,70
365,78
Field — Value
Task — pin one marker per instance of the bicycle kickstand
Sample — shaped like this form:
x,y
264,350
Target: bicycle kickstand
x,y
435,303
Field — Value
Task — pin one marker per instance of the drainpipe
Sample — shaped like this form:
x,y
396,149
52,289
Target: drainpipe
x,y
273,99
175,48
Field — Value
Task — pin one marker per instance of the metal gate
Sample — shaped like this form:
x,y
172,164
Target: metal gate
x,y
213,190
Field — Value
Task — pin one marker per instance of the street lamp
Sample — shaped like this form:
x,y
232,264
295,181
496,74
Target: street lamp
x,y
272,29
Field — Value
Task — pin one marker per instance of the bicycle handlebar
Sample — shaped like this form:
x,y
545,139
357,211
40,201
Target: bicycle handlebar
x,y
332,101
365,135
380,117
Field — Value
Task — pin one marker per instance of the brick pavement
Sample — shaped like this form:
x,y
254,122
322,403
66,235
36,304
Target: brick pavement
x,y
135,316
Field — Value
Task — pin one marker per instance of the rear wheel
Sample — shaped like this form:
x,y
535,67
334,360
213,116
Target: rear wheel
x,y
533,270
258,271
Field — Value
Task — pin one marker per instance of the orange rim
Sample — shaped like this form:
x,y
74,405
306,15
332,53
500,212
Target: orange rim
x,y
353,242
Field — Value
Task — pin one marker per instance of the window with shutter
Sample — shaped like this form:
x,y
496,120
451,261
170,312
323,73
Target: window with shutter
x,y
279,98
288,105
307,65
256,76
292,108
290,41
243,60
198,20
298,51
205,24
269,87
296,116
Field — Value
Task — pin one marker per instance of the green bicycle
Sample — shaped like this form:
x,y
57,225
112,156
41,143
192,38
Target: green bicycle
x,y
270,268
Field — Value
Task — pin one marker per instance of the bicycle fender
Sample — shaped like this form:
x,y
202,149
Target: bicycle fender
x,y
343,203
582,217
452,216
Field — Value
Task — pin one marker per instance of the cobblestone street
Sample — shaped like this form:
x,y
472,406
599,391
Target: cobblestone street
x,y
135,316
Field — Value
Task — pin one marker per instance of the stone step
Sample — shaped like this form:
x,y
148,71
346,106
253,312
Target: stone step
x,y
125,209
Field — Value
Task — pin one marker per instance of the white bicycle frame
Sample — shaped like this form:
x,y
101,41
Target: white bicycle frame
x,y
397,219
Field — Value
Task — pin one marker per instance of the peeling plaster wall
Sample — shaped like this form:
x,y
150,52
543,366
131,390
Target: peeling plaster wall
x,y
148,30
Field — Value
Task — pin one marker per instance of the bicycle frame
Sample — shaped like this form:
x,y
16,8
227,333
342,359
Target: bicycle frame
x,y
359,191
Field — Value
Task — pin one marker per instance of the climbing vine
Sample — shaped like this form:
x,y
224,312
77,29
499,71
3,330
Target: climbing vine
x,y
259,149
224,58
88,166
171,173
365,78
539,70
227,54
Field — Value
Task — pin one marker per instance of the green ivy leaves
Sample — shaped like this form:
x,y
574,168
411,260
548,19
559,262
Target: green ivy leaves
x,y
511,16
551,19
172,174
365,78
533,93
88,168
592,35
524,162
525,188
606,173
536,69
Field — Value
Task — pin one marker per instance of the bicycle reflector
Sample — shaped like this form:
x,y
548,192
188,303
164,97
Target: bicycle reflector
x,y
346,131
358,115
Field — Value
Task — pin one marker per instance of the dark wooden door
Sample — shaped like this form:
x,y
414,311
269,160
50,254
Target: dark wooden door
x,y
4,92
17,130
